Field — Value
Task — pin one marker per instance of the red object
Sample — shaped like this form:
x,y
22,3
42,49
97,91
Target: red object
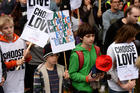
x,y
104,62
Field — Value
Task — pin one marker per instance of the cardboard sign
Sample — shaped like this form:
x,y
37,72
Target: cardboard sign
x,y
32,3
126,55
36,30
61,36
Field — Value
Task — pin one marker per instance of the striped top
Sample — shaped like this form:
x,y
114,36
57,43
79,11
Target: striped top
x,y
39,81
54,80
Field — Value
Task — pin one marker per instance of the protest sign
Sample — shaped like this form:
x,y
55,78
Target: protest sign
x,y
59,27
126,55
32,3
35,30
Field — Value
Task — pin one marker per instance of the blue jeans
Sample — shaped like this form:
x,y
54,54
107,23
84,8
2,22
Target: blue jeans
x,y
112,91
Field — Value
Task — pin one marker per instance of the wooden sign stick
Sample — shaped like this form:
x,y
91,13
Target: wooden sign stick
x,y
65,61
99,9
78,14
25,53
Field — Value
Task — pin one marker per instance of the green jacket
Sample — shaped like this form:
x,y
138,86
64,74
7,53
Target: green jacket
x,y
77,76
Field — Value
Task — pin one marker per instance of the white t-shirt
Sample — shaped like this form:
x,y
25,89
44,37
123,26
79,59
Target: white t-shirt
x,y
113,71
15,78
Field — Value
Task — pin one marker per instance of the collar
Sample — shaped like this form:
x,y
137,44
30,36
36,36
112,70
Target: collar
x,y
2,38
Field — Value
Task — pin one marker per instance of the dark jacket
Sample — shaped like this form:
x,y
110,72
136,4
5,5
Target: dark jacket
x,y
111,33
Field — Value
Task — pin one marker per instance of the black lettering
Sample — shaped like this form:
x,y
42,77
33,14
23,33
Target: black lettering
x,y
43,25
12,54
124,59
119,61
30,23
129,58
134,57
30,3
37,22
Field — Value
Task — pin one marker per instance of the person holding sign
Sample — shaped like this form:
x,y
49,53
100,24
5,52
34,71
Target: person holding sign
x,y
81,77
12,48
48,76
123,53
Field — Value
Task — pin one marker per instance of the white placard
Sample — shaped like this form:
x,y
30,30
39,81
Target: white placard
x,y
75,4
61,35
36,30
32,3
126,55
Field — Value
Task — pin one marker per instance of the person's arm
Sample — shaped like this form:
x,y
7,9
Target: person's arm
x,y
74,69
112,71
106,21
38,82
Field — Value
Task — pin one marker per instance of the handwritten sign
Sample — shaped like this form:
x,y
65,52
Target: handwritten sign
x,y
61,36
36,30
32,3
126,55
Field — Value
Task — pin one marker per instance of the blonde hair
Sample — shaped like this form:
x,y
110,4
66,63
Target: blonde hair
x,y
5,19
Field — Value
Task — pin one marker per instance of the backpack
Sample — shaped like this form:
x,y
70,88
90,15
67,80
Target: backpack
x,y
81,56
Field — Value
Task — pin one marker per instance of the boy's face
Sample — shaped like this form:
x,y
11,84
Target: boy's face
x,y
88,39
52,59
8,30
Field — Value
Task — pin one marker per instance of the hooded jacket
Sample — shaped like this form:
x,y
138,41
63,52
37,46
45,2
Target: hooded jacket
x,y
79,76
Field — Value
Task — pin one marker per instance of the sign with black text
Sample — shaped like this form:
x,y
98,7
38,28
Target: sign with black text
x,y
36,30
126,55
32,3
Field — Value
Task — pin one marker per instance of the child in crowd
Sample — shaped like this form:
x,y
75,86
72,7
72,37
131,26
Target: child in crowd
x,y
12,48
48,77
81,78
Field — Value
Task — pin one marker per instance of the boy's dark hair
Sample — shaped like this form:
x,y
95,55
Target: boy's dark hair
x,y
85,29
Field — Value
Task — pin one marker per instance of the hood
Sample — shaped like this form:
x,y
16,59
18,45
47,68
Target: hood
x,y
2,38
79,48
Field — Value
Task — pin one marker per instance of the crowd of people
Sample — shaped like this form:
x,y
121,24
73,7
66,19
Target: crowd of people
x,y
92,64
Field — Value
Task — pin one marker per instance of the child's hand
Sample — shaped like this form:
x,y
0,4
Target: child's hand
x,y
90,79
129,85
2,81
96,78
20,61
66,74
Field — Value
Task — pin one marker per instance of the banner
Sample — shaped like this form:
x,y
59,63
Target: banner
x,y
126,55
61,35
32,3
36,30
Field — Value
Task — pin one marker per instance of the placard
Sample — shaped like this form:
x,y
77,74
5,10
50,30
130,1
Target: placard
x,y
126,55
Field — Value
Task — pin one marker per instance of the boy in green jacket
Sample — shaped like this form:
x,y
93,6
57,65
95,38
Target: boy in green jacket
x,y
81,78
